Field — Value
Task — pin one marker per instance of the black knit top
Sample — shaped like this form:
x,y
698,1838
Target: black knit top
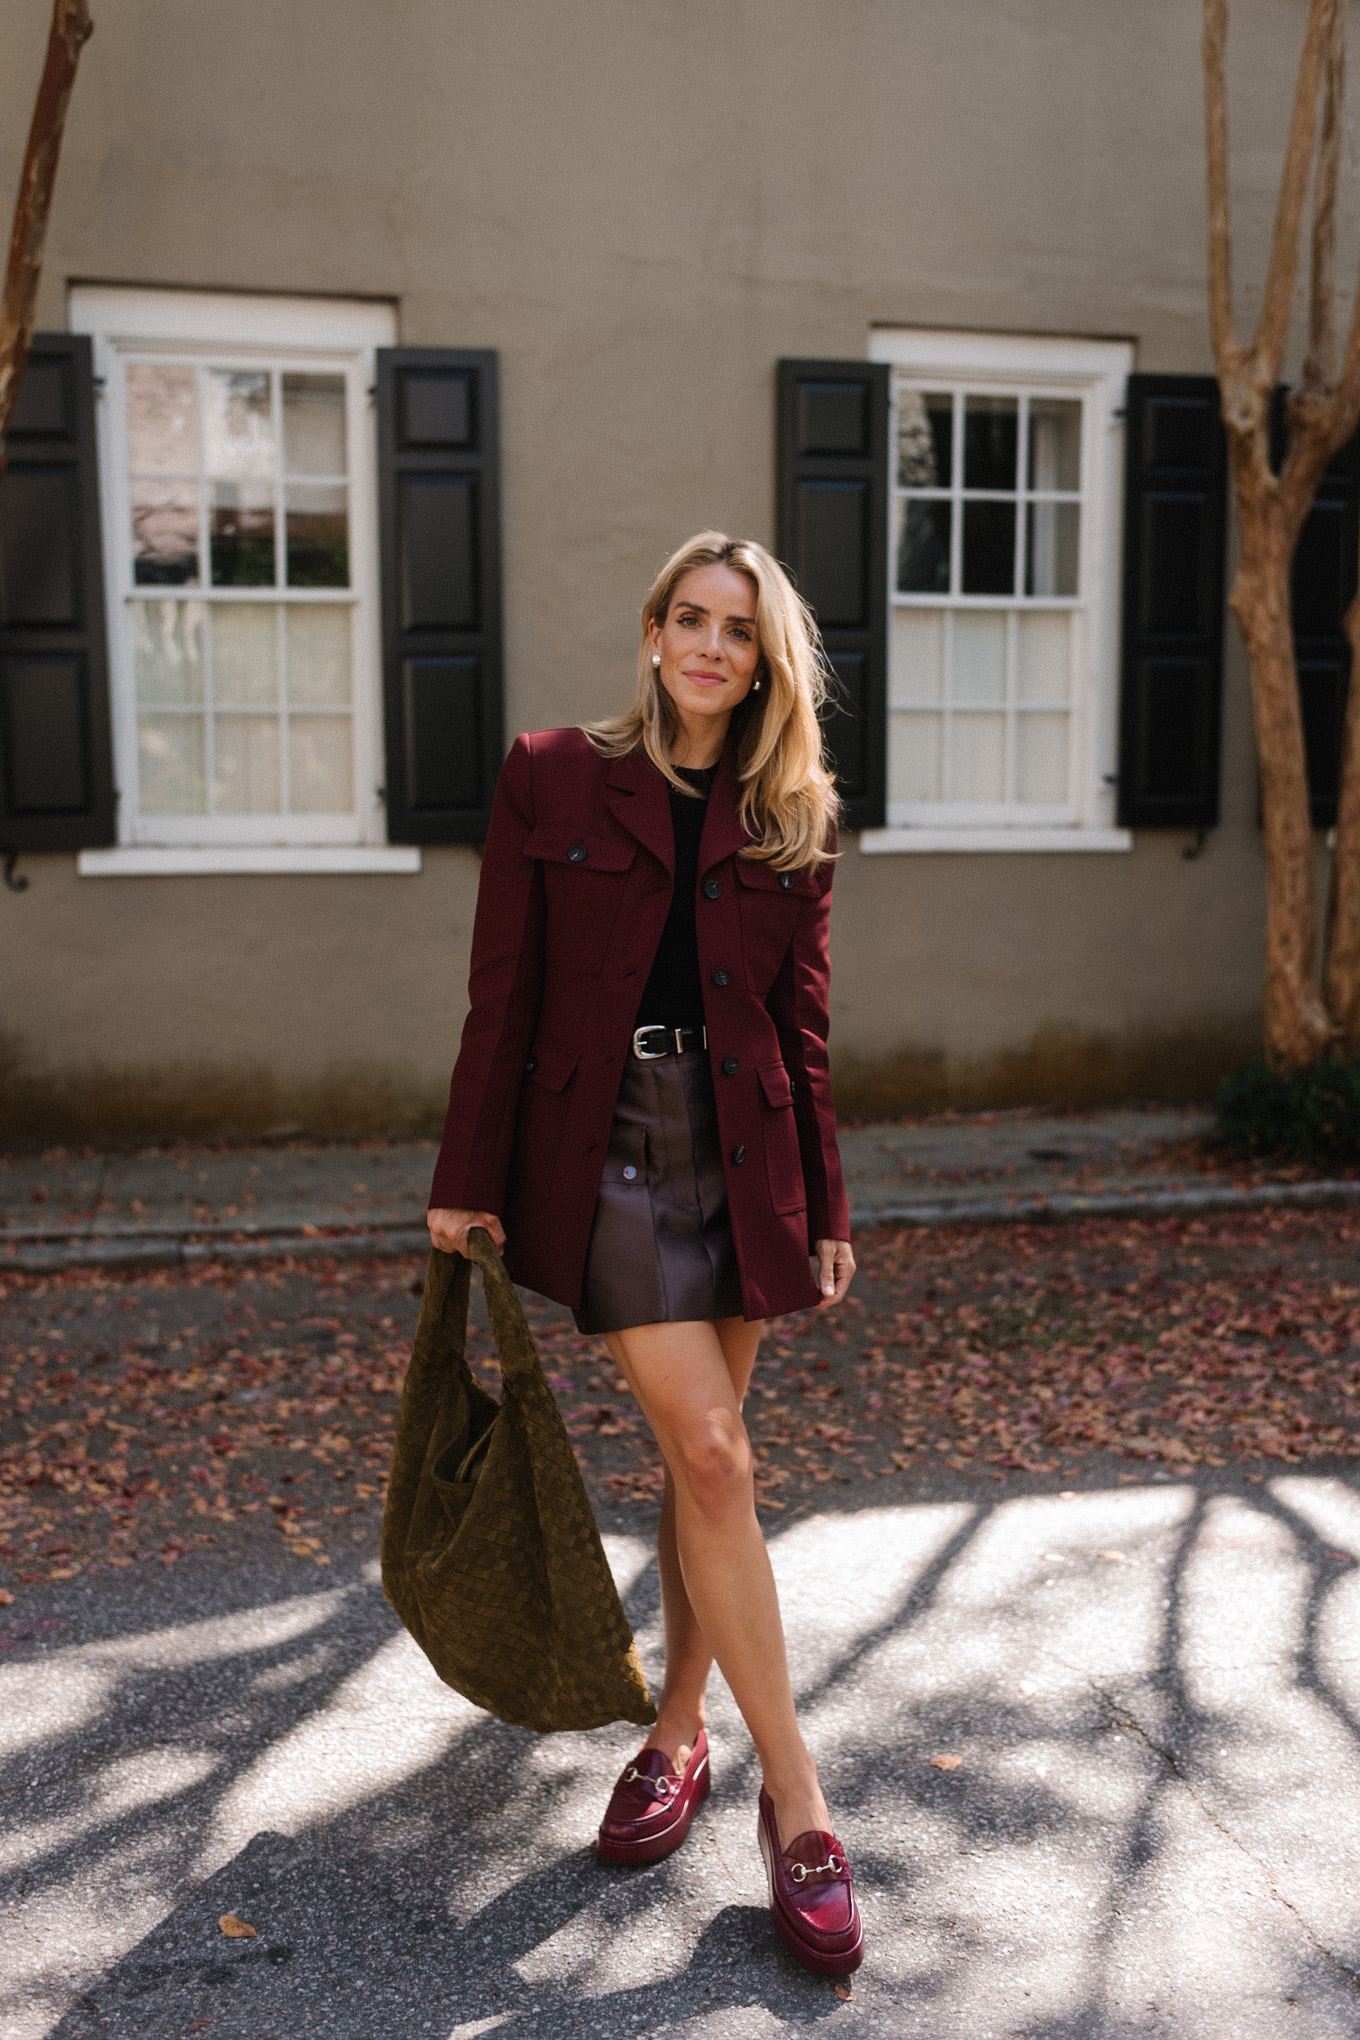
x,y
674,995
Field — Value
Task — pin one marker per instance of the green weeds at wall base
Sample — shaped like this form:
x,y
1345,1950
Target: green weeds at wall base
x,y
1312,1114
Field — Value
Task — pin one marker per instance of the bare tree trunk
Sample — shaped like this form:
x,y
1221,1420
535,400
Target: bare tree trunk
x,y
1322,414
71,30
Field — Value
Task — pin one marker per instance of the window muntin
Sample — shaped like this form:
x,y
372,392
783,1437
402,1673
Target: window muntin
x,y
989,609
238,483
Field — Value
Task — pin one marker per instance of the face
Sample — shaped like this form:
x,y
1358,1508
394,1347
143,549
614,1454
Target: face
x,y
709,650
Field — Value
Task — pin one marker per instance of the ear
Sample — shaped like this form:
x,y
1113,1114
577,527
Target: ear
x,y
654,634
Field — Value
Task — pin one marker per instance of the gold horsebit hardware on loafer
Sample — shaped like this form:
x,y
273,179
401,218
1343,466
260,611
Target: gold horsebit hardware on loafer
x,y
662,1787
800,1872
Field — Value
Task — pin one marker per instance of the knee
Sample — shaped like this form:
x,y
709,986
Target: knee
x,y
714,1464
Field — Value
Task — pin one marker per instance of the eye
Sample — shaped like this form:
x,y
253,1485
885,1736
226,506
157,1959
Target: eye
x,y
740,631
687,619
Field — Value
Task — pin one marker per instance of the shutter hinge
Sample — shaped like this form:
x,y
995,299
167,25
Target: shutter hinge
x,y
14,882
1195,849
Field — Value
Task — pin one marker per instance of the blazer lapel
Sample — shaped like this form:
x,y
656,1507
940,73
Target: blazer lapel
x,y
637,797
723,832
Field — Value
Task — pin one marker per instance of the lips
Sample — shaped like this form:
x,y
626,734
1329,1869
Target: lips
x,y
705,679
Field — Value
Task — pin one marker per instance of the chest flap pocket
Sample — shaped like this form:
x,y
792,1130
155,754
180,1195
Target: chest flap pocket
x,y
585,870
770,901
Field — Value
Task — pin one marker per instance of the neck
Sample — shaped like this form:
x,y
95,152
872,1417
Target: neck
x,y
699,742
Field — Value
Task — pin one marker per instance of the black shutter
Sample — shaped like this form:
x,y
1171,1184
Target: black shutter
x,y
832,533
56,759
439,498
1175,510
1323,581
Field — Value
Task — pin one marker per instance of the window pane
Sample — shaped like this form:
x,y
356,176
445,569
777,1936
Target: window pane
x,y
977,674
167,649
164,533
990,440
925,439
989,548
923,548
1054,443
241,534
246,762
162,419
314,425
320,765
979,759
170,765
916,746
318,657
1041,760
245,656
318,535
917,664
1052,547
238,423
1042,649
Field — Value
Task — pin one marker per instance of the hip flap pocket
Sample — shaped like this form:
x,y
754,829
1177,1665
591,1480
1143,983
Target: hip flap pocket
x,y
783,1162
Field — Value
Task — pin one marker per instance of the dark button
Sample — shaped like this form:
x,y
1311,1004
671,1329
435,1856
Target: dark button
x,y
787,880
577,853
532,1064
712,889
793,1087
739,1155
730,1066
722,978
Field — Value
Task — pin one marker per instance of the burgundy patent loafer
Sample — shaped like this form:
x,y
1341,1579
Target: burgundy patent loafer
x,y
812,1897
652,1806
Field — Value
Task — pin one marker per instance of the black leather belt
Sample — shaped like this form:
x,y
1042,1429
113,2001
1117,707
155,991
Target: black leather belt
x,y
651,1043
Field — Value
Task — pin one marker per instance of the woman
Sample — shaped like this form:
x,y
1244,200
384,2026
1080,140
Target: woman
x,y
642,1096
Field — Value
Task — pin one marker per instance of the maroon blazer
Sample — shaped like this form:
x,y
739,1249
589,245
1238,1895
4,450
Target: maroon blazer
x,y
575,886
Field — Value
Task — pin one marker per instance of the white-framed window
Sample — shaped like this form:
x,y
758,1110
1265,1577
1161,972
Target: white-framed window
x,y
238,477
1004,550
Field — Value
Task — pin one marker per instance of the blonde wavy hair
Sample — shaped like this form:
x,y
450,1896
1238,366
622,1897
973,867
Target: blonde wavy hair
x,y
788,800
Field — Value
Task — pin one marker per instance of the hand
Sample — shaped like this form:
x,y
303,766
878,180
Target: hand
x,y
835,1266
449,1229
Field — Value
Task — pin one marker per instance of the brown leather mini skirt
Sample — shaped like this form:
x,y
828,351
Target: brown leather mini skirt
x,y
661,1248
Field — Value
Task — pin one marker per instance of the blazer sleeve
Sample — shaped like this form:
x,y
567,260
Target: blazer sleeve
x,y
505,987
799,1004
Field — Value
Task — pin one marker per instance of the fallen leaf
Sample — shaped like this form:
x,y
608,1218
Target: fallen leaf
x,y
236,1929
6,1598
1113,1557
1027,1689
843,1990
946,1763
63,1572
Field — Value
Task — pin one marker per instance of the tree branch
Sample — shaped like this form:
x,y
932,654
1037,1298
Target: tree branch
x,y
1267,351
71,30
1226,346
1320,361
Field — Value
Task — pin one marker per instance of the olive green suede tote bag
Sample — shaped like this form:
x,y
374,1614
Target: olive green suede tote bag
x,y
490,1551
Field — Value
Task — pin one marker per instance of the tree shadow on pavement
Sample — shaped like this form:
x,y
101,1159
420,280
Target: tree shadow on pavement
x,y
440,1898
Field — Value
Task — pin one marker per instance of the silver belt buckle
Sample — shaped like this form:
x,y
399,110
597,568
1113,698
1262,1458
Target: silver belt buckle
x,y
650,1054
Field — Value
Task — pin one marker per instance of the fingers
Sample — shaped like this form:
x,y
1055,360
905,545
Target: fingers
x,y
449,1229
835,1268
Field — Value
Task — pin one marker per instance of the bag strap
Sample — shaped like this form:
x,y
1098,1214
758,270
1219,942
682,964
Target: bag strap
x,y
509,1328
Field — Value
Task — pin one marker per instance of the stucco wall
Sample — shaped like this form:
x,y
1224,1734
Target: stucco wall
x,y
642,204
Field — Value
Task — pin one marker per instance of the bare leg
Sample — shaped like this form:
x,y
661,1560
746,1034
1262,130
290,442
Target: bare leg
x,y
681,1710
680,1375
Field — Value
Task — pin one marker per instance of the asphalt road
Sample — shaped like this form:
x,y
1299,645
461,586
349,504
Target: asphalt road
x,y
1153,1691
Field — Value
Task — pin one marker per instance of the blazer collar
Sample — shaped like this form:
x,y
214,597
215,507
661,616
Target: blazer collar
x,y
723,833
638,797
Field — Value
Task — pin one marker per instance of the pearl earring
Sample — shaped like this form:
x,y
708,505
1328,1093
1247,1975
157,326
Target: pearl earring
x,y
656,658
755,687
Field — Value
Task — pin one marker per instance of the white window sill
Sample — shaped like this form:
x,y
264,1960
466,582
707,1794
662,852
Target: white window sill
x,y
164,861
886,842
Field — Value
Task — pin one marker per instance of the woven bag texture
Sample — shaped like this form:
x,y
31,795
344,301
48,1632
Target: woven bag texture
x,y
500,1575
